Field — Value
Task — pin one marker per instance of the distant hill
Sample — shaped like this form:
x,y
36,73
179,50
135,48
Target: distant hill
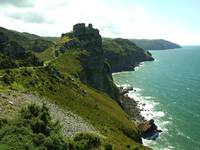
x,y
28,41
157,44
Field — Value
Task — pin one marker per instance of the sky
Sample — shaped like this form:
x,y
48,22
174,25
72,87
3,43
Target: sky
x,y
174,20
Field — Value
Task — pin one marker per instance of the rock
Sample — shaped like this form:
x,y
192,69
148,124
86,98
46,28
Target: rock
x,y
10,102
89,37
149,130
125,89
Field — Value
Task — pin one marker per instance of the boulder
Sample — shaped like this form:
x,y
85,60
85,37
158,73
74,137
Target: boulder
x,y
149,130
125,89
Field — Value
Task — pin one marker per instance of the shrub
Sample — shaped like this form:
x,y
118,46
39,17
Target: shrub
x,y
85,141
108,147
8,79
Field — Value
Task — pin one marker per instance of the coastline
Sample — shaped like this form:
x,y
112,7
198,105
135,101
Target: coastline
x,y
138,113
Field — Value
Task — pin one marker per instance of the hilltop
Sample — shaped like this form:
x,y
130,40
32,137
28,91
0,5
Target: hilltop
x,y
74,79
157,44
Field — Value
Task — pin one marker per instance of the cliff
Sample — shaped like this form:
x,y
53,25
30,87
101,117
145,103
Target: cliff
x,y
123,55
96,71
158,44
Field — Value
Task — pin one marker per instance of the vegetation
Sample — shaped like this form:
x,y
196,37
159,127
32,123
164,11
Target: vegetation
x,y
96,107
33,128
75,79
28,41
13,55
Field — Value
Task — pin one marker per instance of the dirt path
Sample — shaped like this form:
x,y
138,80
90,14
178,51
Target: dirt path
x,y
11,102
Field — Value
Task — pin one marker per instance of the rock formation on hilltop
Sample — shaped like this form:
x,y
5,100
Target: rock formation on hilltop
x,y
96,71
89,37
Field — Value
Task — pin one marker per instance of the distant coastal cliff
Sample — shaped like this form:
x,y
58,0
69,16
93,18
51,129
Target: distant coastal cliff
x,y
157,44
123,55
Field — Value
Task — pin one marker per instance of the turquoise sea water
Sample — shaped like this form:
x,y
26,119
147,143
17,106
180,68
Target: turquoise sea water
x,y
170,87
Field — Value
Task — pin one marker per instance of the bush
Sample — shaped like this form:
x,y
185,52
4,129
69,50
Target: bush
x,y
8,79
108,147
34,129
38,118
87,141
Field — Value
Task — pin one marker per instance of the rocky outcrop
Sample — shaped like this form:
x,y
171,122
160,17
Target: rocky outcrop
x,y
89,37
96,72
149,130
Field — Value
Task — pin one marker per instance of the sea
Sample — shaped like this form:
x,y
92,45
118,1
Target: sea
x,y
170,89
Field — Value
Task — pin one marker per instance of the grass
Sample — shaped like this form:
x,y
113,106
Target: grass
x,y
94,106
33,128
59,83
69,62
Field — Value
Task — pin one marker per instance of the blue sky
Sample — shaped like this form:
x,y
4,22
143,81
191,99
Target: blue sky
x,y
174,20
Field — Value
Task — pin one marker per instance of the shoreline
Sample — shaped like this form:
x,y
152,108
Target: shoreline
x,y
134,108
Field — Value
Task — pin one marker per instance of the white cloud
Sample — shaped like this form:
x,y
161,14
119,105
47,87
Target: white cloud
x,y
17,3
52,18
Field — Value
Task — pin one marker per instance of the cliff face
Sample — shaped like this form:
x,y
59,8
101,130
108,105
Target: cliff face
x,y
123,55
96,71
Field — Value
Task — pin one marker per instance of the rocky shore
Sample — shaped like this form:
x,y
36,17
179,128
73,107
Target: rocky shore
x,y
147,128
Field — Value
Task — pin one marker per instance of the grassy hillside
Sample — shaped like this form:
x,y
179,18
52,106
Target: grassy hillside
x,y
68,92
28,41
13,55
74,77
124,55
157,44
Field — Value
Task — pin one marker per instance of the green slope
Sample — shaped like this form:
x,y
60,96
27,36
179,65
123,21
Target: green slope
x,y
28,41
77,78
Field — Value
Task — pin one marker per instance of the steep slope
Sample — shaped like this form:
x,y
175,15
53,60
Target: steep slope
x,y
75,77
81,51
124,55
158,44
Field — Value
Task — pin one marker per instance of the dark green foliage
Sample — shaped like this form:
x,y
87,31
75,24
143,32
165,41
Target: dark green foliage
x,y
28,41
8,77
108,147
86,141
56,53
40,45
32,129
13,55
3,40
